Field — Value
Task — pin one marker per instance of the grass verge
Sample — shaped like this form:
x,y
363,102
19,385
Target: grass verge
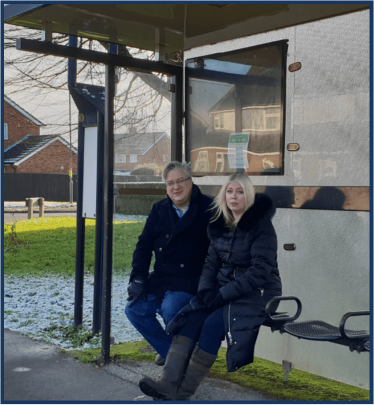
x,y
263,375
46,246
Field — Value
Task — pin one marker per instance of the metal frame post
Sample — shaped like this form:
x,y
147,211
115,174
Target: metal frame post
x,y
108,209
80,242
81,222
96,321
177,118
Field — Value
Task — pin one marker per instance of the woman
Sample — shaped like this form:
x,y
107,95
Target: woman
x,y
239,277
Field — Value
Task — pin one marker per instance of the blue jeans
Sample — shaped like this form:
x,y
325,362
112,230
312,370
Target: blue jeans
x,y
142,315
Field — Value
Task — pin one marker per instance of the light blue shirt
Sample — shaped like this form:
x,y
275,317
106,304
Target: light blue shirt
x,y
179,212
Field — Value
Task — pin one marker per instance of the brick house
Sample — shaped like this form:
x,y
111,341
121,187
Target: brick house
x,y
26,151
18,123
131,149
40,154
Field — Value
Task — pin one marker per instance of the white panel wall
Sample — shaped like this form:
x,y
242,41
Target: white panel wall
x,y
329,272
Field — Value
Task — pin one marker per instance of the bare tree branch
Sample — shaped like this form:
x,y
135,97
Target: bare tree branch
x,y
39,82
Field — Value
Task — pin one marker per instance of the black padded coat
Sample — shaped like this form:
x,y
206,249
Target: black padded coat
x,y
242,265
180,246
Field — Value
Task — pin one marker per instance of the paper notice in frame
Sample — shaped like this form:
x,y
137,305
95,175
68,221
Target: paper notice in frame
x,y
237,150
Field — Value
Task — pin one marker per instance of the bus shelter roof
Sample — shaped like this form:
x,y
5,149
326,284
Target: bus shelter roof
x,y
179,27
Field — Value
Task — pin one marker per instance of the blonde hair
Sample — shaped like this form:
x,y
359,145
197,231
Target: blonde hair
x,y
219,203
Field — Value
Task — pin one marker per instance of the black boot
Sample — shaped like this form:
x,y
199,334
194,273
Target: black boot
x,y
198,368
165,387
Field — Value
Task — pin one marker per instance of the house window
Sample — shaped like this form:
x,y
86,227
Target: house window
x,y
224,120
272,118
133,158
261,119
5,131
219,121
216,121
164,158
120,158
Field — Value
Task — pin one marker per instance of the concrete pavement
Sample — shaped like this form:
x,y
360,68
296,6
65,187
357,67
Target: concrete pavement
x,y
38,371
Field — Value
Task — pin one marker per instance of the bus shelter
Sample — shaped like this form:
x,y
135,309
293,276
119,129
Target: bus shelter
x,y
249,111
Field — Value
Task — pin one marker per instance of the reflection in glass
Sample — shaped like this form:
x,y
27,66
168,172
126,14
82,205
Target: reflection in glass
x,y
240,92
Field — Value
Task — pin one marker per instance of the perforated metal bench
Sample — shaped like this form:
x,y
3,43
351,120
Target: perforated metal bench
x,y
356,340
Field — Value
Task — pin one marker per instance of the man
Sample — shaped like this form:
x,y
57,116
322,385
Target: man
x,y
176,231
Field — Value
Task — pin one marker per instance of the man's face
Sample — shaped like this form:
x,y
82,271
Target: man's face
x,y
178,190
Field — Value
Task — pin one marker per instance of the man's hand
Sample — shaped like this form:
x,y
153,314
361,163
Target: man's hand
x,y
136,290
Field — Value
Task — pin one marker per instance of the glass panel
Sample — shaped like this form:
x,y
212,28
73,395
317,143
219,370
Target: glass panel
x,y
142,148
142,126
235,107
142,138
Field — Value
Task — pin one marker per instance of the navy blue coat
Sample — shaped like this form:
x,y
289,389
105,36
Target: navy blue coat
x,y
180,246
242,265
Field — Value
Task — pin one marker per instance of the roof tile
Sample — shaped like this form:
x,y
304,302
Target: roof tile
x,y
24,147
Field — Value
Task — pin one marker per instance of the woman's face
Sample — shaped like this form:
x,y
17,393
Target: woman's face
x,y
235,199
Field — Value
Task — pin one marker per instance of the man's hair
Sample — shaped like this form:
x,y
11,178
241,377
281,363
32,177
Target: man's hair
x,y
185,167
219,203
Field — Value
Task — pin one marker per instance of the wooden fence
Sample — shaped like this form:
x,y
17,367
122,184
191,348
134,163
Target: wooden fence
x,y
52,187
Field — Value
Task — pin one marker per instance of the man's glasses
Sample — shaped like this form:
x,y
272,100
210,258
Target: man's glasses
x,y
178,182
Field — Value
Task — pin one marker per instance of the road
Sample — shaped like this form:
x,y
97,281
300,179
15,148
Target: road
x,y
19,216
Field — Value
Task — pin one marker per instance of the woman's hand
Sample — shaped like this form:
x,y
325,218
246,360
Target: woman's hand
x,y
197,303
217,302
207,296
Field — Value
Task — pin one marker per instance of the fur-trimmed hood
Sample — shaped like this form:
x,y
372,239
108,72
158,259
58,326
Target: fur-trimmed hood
x,y
263,206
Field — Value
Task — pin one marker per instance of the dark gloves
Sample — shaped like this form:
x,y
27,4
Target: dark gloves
x,y
207,296
196,303
136,290
217,302
211,298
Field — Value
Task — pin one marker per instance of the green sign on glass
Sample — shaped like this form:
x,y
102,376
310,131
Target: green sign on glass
x,y
239,138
